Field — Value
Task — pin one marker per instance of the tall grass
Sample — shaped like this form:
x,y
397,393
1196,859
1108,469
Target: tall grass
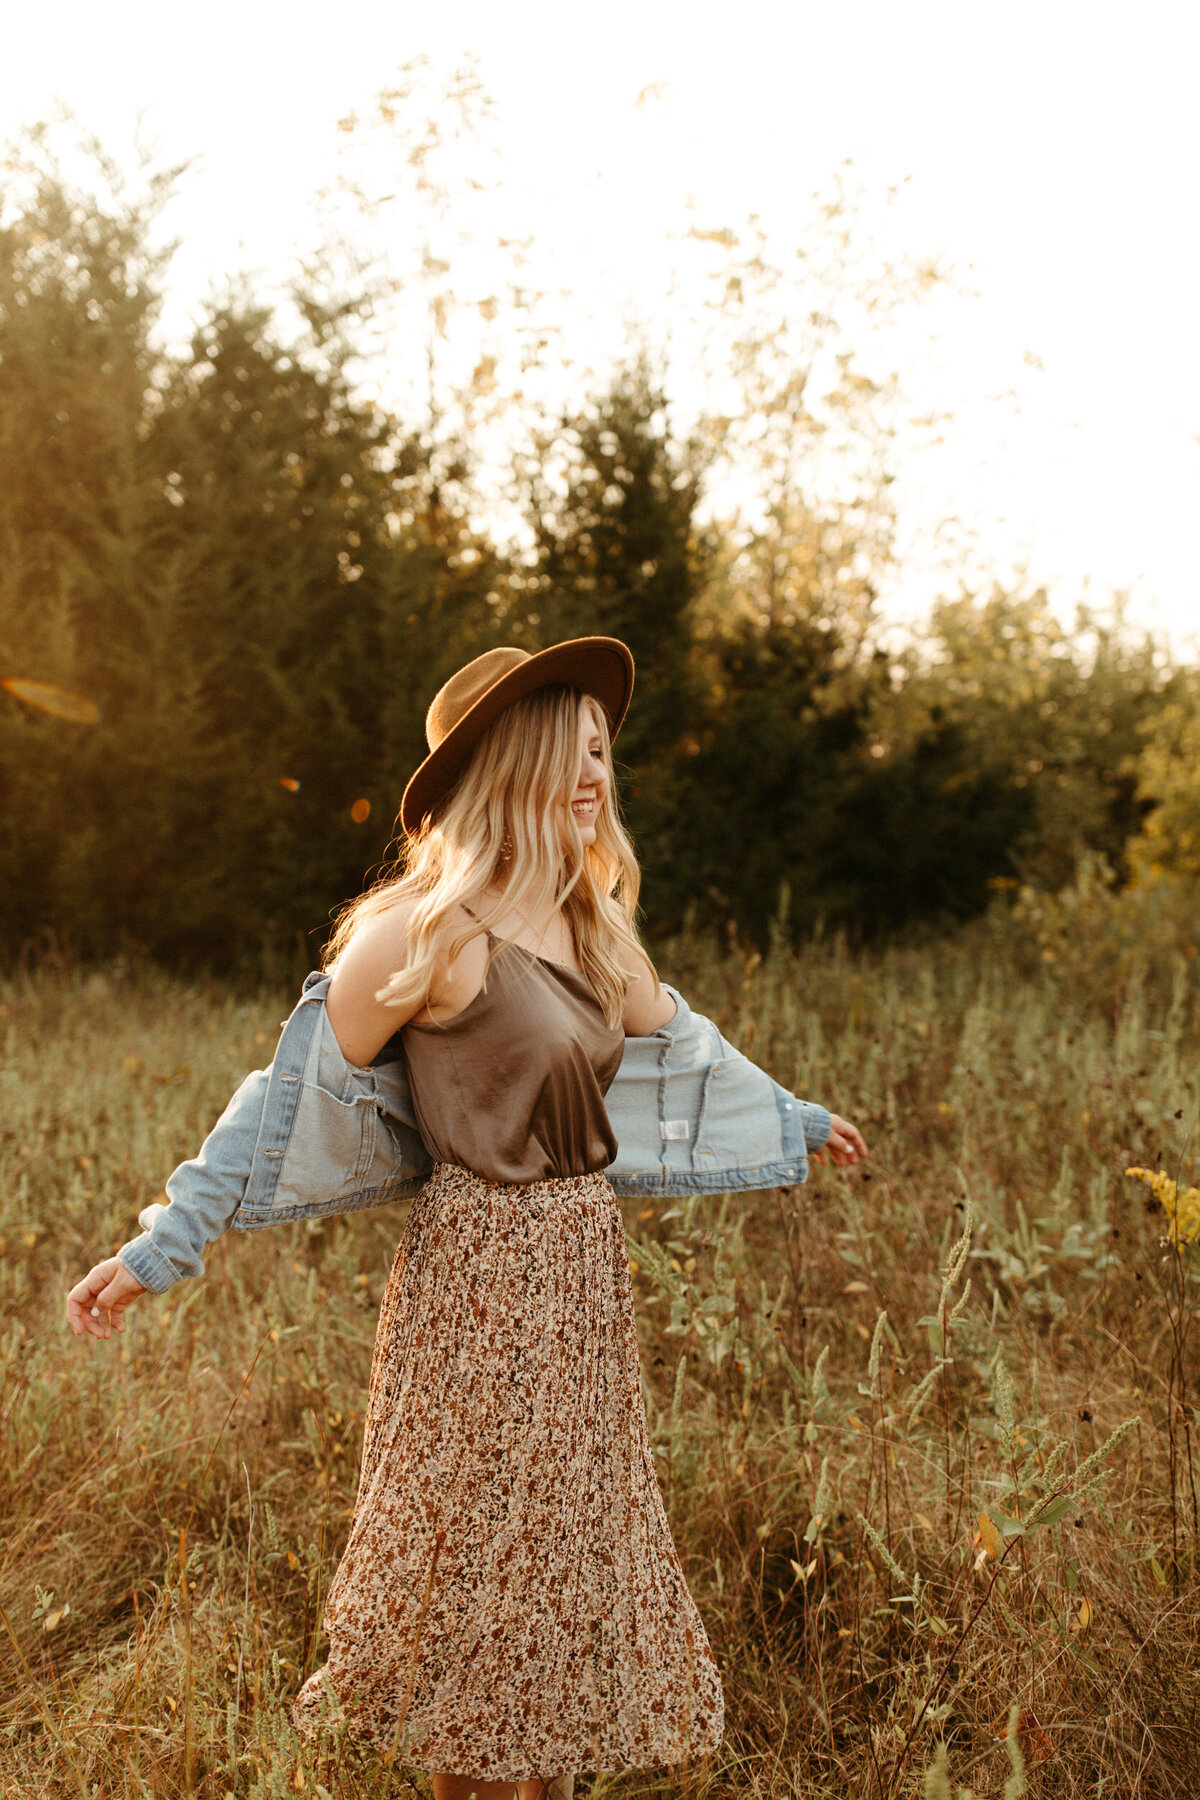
x,y
926,1429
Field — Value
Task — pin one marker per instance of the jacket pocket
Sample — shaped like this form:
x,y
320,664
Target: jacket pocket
x,y
739,1126
329,1150
330,1143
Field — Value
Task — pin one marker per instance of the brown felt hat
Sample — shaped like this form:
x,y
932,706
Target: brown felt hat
x,y
463,709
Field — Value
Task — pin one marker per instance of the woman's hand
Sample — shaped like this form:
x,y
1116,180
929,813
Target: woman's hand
x,y
97,1303
843,1146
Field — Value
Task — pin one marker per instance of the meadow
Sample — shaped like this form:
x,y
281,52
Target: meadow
x,y
927,1430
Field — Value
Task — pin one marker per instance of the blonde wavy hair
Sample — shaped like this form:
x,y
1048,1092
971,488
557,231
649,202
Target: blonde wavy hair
x,y
507,822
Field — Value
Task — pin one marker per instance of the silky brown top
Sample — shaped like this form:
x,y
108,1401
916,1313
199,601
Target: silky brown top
x,y
513,1086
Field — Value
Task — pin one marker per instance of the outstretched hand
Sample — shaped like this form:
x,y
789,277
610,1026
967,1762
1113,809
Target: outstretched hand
x,y
844,1145
97,1303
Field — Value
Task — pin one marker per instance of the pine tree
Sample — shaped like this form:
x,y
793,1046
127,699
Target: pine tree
x,y
610,501
78,299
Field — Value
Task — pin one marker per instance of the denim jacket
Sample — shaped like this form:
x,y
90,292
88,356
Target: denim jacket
x,y
314,1135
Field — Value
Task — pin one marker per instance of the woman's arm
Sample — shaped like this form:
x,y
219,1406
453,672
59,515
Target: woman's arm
x,y
647,1005
96,1305
214,1182
362,1023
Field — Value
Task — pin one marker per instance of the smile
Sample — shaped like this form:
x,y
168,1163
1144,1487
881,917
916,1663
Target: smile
x,y
583,809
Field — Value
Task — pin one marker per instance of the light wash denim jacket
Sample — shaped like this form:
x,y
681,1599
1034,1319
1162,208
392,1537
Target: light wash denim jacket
x,y
313,1135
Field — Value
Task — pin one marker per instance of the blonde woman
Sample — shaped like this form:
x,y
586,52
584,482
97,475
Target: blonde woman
x,y
510,1607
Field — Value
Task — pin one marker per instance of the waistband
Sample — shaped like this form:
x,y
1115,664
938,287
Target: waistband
x,y
594,1181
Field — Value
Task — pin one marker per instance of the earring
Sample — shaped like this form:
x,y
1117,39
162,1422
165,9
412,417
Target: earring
x,y
506,847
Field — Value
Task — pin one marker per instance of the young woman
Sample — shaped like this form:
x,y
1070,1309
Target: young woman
x,y
510,1607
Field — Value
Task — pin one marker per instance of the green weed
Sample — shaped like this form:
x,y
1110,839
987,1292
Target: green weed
x,y
925,1429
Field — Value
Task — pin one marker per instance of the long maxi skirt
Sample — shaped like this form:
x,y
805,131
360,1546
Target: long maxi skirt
x,y
510,1602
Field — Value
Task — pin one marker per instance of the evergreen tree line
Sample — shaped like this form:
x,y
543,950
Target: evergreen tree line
x,y
258,580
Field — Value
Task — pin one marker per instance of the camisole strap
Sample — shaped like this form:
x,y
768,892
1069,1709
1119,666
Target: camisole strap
x,y
513,1085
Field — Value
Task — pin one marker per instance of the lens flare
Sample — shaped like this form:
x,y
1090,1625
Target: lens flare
x,y
59,702
290,783
360,811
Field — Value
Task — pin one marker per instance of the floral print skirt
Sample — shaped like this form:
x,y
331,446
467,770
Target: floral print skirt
x,y
510,1602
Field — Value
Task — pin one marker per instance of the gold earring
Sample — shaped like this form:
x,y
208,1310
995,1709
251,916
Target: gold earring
x,y
506,847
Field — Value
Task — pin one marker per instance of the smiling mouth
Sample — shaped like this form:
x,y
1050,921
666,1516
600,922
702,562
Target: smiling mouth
x,y
583,809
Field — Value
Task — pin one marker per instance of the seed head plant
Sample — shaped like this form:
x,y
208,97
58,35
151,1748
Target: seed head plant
x,y
923,1428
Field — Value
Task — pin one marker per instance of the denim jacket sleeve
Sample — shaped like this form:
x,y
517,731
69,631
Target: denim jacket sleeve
x,y
692,1115
314,1135
309,1136
203,1195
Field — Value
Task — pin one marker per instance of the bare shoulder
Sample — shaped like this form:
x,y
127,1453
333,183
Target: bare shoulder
x,y
647,1005
361,1022
378,948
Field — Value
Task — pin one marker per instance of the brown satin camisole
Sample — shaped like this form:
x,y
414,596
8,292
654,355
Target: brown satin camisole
x,y
513,1086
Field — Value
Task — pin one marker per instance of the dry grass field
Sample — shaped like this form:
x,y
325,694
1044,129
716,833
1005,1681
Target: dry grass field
x,y
927,1431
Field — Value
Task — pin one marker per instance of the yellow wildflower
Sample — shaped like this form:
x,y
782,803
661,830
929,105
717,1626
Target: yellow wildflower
x,y
1182,1206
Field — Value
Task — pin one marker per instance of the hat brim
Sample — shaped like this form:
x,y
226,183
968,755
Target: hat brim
x,y
601,667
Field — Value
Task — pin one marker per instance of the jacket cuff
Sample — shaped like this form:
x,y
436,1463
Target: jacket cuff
x,y
147,1264
816,1122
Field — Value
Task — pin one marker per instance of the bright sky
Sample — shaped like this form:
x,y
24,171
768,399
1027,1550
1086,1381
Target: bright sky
x,y
1049,151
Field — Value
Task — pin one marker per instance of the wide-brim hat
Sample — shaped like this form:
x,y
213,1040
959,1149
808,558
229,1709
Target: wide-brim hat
x,y
462,710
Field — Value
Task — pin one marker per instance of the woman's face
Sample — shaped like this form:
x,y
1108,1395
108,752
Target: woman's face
x,y
591,781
